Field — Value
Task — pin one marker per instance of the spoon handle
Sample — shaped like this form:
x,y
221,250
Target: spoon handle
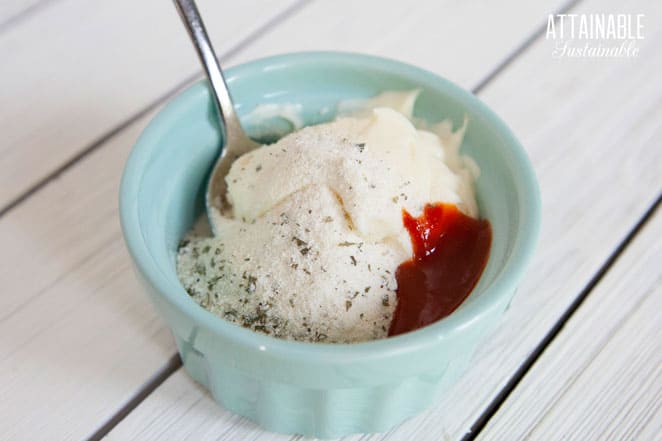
x,y
190,16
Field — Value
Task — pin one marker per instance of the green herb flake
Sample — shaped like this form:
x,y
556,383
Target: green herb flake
x,y
302,245
200,269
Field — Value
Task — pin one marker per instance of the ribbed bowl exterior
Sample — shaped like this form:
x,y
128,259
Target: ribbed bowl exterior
x,y
324,405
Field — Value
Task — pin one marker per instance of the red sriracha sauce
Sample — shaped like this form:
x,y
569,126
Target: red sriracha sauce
x,y
450,254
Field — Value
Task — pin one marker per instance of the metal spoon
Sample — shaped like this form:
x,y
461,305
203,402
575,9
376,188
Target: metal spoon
x,y
236,142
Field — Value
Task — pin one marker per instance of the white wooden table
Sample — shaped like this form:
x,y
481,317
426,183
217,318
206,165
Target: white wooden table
x,y
83,354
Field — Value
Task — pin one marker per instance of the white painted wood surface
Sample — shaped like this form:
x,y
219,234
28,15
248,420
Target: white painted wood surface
x,y
599,170
77,337
462,41
85,310
601,378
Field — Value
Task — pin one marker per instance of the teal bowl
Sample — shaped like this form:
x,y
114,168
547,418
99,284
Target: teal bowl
x,y
314,389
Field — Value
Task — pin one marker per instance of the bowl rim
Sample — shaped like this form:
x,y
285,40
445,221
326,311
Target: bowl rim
x,y
468,313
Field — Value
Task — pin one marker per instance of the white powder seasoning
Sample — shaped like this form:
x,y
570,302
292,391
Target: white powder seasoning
x,y
311,248
307,278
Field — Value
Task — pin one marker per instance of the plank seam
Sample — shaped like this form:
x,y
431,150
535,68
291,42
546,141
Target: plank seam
x,y
519,50
538,351
24,14
157,380
582,367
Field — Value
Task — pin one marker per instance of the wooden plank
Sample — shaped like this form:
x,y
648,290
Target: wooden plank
x,y
182,409
78,69
78,338
122,339
599,170
462,41
601,378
